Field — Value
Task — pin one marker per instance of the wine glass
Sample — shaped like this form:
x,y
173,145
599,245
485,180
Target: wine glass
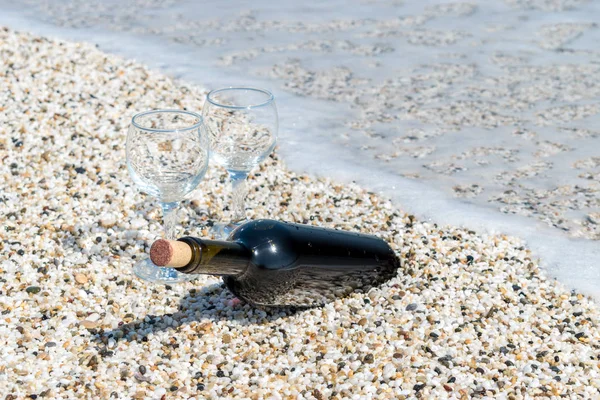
x,y
167,156
242,124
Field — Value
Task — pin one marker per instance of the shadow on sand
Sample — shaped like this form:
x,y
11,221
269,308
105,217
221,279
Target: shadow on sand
x,y
210,303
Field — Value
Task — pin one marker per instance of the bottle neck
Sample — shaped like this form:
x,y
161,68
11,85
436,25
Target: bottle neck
x,y
215,257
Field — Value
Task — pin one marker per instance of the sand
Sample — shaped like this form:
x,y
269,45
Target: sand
x,y
469,314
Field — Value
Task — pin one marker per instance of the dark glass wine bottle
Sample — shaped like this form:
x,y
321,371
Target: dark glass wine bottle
x,y
271,263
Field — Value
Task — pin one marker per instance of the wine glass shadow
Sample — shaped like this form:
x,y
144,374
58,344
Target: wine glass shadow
x,y
101,241
208,304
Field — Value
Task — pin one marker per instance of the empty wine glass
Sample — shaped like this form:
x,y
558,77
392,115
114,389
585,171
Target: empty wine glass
x,y
242,124
167,156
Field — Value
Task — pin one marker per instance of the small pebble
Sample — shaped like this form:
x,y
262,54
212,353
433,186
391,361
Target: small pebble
x,y
139,395
33,289
141,378
418,387
89,324
81,279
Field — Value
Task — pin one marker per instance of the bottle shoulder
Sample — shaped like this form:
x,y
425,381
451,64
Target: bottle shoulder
x,y
256,230
270,243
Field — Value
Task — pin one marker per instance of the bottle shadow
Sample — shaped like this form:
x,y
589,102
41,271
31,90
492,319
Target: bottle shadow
x,y
208,304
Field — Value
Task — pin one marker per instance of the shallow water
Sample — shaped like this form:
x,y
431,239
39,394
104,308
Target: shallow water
x,y
481,114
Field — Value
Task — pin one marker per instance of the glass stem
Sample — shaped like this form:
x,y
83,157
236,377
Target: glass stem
x,y
170,218
238,194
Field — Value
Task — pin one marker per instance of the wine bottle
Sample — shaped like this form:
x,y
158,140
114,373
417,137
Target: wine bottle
x,y
271,263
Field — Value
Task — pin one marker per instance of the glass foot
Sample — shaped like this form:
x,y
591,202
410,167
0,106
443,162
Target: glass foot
x,y
149,272
223,230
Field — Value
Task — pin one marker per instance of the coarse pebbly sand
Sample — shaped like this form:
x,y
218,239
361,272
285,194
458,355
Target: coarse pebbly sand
x,y
469,315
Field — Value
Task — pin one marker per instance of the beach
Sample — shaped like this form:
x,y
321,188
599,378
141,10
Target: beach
x,y
475,114
470,314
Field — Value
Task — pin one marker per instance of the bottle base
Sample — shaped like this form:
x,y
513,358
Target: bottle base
x,y
222,230
149,272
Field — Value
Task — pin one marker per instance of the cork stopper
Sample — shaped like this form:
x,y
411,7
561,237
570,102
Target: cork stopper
x,y
170,253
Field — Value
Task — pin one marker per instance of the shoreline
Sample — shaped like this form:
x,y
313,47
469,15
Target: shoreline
x,y
568,259
469,315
